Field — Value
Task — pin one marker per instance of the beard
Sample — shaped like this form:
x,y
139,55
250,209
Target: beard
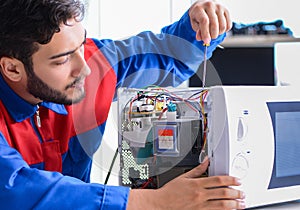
x,y
41,90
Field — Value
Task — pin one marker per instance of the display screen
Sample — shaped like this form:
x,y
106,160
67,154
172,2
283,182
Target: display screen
x,y
286,125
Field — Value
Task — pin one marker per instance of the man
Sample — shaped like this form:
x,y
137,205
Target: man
x,y
56,89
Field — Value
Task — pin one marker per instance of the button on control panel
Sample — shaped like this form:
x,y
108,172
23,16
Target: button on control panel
x,y
240,166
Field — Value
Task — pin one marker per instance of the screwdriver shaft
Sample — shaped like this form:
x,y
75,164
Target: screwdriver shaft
x,y
204,65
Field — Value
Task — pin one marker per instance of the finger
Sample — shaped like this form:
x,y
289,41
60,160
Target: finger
x,y
198,171
222,21
198,35
200,24
221,181
228,20
204,27
226,204
224,193
213,22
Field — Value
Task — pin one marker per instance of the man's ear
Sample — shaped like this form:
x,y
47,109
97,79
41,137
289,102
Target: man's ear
x,y
12,68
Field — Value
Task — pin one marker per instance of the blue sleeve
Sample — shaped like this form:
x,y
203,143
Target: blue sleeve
x,y
165,59
22,187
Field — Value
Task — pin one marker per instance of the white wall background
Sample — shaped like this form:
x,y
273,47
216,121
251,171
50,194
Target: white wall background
x,y
117,19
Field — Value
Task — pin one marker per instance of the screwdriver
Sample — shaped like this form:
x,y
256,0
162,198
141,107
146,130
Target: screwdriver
x,y
204,64
203,152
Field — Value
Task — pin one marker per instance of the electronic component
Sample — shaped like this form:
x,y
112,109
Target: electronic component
x,y
160,134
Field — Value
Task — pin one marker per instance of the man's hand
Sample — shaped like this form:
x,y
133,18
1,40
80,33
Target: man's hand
x,y
209,19
188,191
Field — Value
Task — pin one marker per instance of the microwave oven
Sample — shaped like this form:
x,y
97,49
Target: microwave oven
x,y
254,134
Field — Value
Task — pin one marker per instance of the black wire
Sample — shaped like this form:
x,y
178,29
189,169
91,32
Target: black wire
x,y
111,166
197,93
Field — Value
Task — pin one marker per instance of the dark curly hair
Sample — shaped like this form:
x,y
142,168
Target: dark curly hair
x,y
24,23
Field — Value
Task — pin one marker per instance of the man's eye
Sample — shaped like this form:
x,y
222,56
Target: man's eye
x,y
64,61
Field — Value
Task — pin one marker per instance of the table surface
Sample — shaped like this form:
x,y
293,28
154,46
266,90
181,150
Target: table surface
x,y
293,205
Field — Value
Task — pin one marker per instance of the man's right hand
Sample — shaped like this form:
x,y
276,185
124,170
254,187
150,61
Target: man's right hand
x,y
189,191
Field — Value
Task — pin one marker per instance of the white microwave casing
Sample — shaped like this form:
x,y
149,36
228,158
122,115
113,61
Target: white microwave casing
x,y
241,139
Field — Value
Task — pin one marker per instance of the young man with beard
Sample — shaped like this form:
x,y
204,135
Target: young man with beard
x,y
56,89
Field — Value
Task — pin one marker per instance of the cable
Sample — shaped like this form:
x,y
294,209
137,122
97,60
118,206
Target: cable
x,y
111,166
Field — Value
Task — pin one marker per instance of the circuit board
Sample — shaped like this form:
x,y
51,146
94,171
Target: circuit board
x,y
162,134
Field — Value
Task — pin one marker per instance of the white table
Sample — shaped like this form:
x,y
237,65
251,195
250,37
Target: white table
x,y
293,205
